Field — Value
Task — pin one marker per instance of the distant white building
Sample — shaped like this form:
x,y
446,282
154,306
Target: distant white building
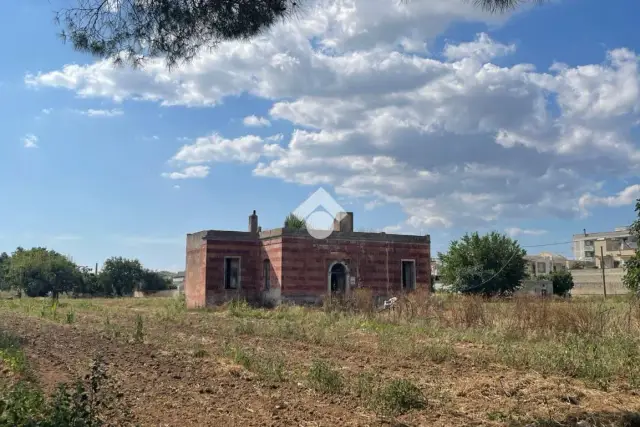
x,y
178,281
617,247
545,263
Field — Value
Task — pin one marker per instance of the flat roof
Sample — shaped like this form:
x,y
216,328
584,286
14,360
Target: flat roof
x,y
335,235
590,236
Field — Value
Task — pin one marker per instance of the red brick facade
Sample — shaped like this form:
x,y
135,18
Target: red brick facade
x,y
299,265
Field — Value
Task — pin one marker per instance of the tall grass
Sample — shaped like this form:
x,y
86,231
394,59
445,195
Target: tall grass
x,y
589,338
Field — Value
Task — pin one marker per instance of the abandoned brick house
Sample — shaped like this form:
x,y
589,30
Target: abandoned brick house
x,y
290,265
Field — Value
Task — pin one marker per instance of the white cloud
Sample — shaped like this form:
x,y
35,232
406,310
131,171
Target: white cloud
x,y
255,121
215,148
453,141
516,231
176,187
482,49
102,113
30,141
189,172
627,196
275,138
47,111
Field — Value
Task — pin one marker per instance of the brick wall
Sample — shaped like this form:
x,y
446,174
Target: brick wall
x,y
299,264
375,265
248,251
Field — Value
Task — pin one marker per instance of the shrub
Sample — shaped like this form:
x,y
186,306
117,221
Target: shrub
x,y
324,378
562,282
398,397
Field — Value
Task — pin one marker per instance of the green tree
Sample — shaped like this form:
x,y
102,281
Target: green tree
x,y
39,271
631,278
153,281
492,264
89,284
131,30
121,276
294,222
5,259
562,282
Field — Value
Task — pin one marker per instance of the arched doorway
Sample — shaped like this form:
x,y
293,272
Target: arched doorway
x,y
338,276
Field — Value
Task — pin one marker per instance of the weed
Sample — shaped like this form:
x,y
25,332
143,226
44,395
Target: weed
x,y
244,328
83,403
200,352
324,378
398,397
438,352
239,308
365,385
71,316
11,353
138,335
267,366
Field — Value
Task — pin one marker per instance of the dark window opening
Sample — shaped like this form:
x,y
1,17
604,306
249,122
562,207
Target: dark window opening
x,y
266,271
232,273
408,275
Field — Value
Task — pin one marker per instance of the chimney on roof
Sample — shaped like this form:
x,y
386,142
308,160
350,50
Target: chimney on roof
x,y
343,222
584,230
253,223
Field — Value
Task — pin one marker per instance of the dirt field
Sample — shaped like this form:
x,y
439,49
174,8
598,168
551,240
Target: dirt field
x,y
472,363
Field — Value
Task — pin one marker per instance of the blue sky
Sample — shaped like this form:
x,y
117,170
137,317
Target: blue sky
x,y
421,117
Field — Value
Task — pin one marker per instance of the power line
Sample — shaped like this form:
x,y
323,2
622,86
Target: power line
x,y
509,260
492,277
547,244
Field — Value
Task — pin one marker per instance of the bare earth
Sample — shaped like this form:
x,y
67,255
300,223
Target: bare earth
x,y
167,384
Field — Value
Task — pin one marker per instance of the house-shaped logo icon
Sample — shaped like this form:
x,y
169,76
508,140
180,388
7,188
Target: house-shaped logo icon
x,y
319,211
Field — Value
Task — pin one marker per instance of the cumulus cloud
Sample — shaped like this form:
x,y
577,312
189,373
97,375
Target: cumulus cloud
x,y
215,148
516,231
627,196
30,141
483,49
255,121
199,171
453,141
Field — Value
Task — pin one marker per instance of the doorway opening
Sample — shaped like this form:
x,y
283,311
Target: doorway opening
x,y
338,278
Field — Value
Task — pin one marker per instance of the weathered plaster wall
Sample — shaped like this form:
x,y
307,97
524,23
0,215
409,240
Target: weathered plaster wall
x,y
194,277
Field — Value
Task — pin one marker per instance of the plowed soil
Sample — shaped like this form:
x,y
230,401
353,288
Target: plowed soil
x,y
166,384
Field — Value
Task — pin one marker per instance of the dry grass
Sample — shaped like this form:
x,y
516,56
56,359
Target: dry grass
x,y
418,355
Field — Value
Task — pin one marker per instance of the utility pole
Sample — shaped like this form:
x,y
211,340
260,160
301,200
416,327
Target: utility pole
x,y
604,284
